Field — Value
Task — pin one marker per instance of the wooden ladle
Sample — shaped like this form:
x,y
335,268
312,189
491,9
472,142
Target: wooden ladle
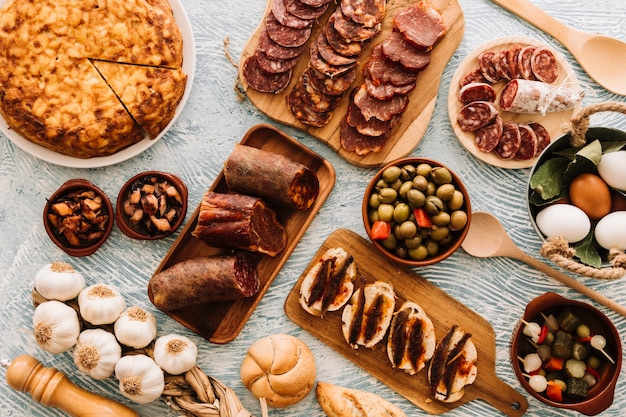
x,y
488,238
603,58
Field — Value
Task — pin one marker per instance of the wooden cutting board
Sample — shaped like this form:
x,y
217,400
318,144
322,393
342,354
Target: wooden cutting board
x,y
443,310
408,133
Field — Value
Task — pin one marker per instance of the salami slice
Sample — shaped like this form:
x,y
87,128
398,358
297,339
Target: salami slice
x,y
396,48
543,136
368,13
284,35
275,66
386,91
513,58
320,64
302,111
305,11
332,86
315,3
275,51
314,98
353,141
421,24
474,76
380,109
263,81
488,137
329,54
524,63
528,144
205,280
477,92
371,127
339,43
510,141
536,97
383,71
476,114
487,67
276,178
544,65
352,31
279,10
502,66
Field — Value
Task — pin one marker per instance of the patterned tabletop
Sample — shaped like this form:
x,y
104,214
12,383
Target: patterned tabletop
x,y
214,118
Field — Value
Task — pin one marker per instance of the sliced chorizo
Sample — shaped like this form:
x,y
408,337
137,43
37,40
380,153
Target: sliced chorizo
x,y
314,98
319,63
263,81
368,13
488,136
285,35
339,43
276,51
333,86
275,66
352,31
305,11
524,63
380,109
510,141
301,110
543,136
528,145
477,92
279,10
474,76
544,65
487,67
353,141
329,54
476,114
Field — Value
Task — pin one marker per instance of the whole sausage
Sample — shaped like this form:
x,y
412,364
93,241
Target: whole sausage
x,y
205,280
536,97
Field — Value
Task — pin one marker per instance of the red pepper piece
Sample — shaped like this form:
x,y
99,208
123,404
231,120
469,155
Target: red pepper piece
x,y
554,391
593,372
554,364
543,334
381,230
422,218
583,339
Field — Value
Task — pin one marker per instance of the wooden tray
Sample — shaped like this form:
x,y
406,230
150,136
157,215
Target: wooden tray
x,y
222,322
553,122
408,133
443,310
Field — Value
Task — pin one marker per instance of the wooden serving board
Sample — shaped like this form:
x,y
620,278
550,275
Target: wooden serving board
x,y
221,322
443,310
412,127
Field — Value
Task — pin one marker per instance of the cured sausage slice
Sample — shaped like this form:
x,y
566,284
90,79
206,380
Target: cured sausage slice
x,y
353,141
536,97
509,142
271,176
275,51
320,64
477,92
315,3
501,64
305,11
285,35
303,112
371,127
524,63
338,42
333,86
474,76
383,71
543,136
386,91
263,81
380,109
476,114
205,280
352,31
487,67
368,13
528,145
544,65
329,54
398,49
488,137
275,66
421,24
513,57
314,98
279,10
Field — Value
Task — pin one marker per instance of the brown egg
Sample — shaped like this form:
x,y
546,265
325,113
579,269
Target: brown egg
x,y
590,193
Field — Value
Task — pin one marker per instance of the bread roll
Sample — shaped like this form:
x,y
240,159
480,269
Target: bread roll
x,y
338,401
279,368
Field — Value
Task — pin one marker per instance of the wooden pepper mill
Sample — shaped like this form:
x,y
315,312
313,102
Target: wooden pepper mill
x,y
52,388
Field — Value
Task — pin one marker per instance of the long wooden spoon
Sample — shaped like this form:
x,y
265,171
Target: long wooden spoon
x,y
487,238
603,58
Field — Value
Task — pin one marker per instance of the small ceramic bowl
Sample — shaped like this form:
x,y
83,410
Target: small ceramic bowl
x,y
157,192
403,246
600,395
66,203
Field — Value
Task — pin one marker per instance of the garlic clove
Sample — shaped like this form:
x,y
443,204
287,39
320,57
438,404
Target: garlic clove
x,y
141,379
96,353
135,327
101,304
59,281
56,326
175,354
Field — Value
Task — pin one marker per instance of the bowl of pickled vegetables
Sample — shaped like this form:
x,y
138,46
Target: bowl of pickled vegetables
x,y
416,211
567,354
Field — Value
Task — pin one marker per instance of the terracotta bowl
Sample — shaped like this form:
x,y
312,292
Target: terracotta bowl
x,y
399,251
80,243
600,396
142,226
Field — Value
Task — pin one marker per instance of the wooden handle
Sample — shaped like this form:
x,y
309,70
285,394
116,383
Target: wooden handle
x,y
536,17
52,389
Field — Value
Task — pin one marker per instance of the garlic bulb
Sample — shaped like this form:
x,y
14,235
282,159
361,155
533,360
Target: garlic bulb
x,y
56,326
59,281
175,354
135,327
101,304
96,353
141,379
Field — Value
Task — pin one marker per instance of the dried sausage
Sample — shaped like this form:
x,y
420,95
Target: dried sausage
x,y
524,63
543,136
303,112
544,65
474,76
275,66
487,67
380,109
332,86
305,11
488,137
340,44
320,64
261,80
352,31
509,141
353,141
421,24
371,127
314,98
279,10
398,49
284,35
276,51
386,91
330,55
368,13
382,71
528,145
536,97
476,114
477,92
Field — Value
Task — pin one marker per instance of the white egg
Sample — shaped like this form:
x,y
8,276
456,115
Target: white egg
x,y
565,220
611,230
612,169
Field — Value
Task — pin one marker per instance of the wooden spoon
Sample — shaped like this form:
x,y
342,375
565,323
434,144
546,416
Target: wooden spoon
x,y
487,238
603,58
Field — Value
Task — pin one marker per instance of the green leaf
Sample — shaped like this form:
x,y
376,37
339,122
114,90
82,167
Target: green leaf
x,y
548,177
586,251
613,146
592,152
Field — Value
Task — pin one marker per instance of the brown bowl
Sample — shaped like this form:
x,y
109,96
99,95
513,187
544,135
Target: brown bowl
x,y
142,226
75,191
399,254
600,396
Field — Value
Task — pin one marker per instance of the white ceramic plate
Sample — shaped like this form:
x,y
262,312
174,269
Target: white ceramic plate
x,y
189,65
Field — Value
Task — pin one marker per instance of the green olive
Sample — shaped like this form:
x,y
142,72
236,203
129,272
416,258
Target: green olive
x,y
445,192
372,215
401,212
456,202
440,233
405,188
401,251
433,205
419,253
424,169
408,172
440,219
373,201
385,212
391,174
413,242
420,182
441,175
416,198
408,230
432,247
387,195
396,184
390,243
380,184
431,188
458,220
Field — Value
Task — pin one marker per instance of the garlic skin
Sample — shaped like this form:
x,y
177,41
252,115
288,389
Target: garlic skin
x,y
59,281
175,354
96,353
101,304
135,327
141,379
56,326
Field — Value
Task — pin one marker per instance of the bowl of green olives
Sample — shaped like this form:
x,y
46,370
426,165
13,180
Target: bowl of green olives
x,y
567,354
416,211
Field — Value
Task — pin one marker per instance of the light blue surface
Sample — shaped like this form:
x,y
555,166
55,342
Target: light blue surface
x,y
195,148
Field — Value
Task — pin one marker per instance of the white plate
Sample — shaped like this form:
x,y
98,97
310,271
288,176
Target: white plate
x,y
189,65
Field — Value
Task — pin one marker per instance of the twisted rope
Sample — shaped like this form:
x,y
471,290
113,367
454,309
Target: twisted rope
x,y
579,124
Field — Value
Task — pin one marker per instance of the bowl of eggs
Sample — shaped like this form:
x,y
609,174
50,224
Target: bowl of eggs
x,y
567,354
416,211
578,193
